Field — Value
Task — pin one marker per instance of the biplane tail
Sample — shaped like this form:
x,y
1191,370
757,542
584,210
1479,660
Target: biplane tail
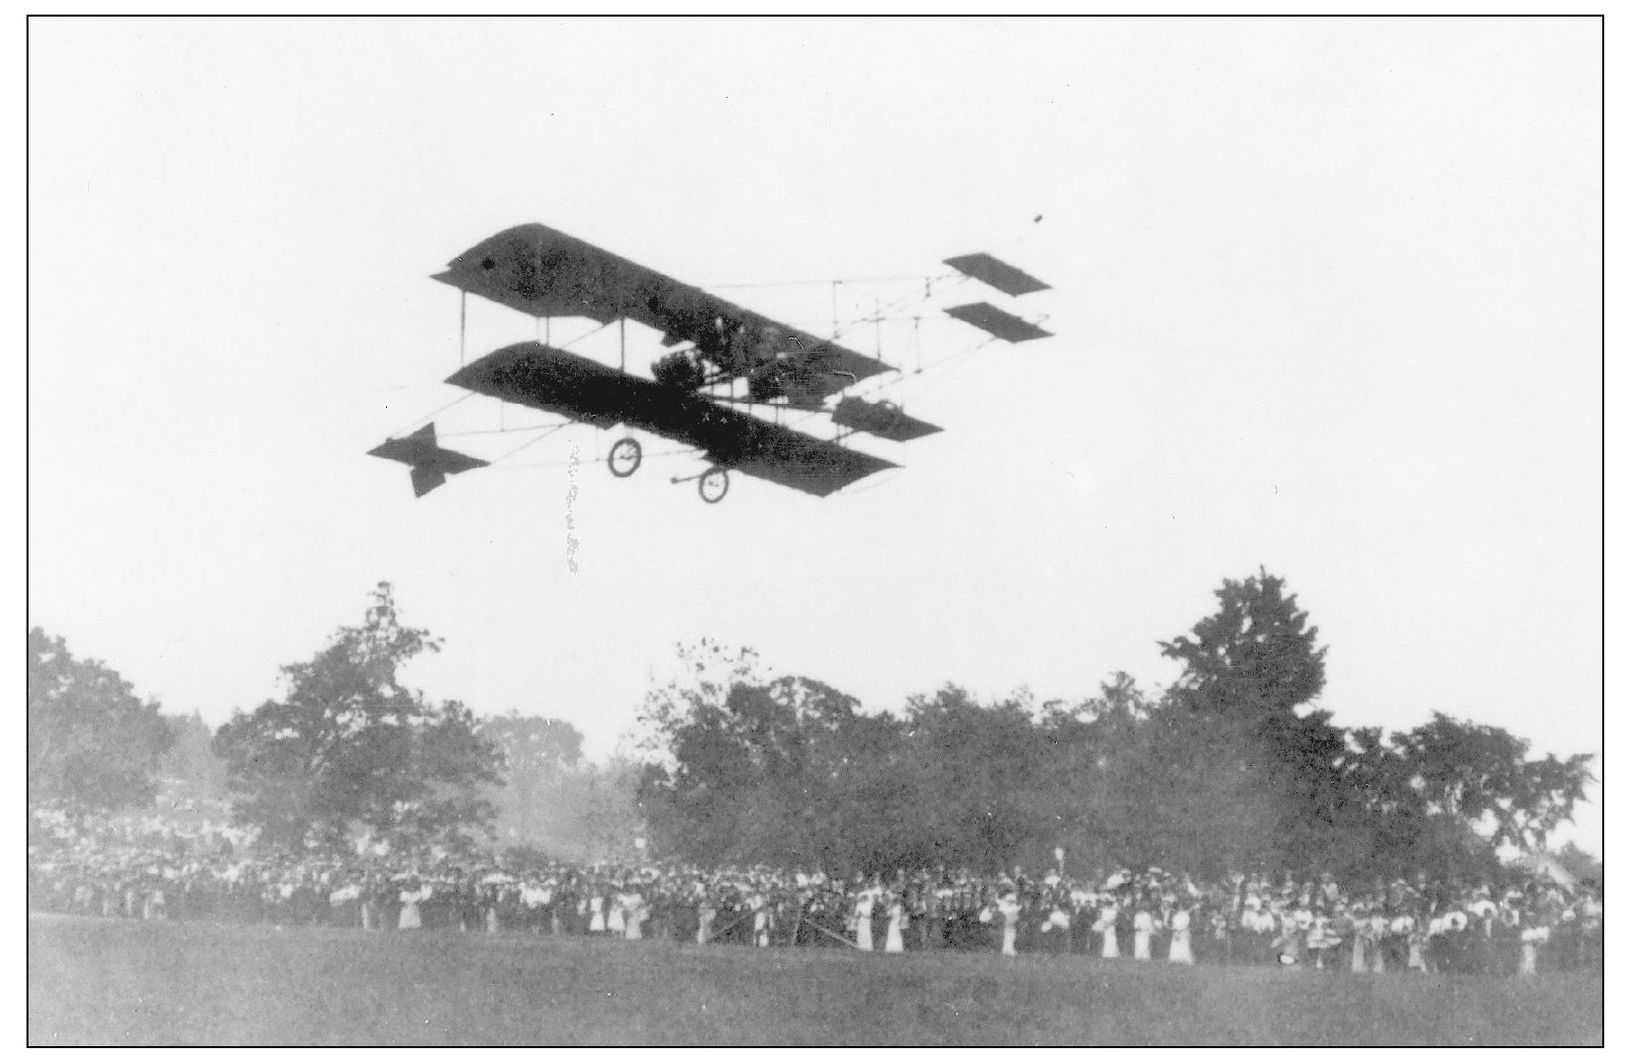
x,y
429,462
1007,279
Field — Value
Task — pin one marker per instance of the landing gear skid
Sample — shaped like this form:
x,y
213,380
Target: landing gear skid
x,y
713,483
625,457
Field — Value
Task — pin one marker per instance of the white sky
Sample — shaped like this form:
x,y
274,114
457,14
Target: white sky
x,y
1327,300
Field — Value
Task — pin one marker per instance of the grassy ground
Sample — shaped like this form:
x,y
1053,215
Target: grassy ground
x,y
120,982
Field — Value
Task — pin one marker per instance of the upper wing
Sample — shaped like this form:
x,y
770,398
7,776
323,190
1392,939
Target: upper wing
x,y
539,376
543,272
997,274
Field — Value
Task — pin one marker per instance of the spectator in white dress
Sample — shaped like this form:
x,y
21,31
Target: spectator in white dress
x,y
894,923
1180,937
1143,933
411,897
864,909
1010,912
1107,926
633,912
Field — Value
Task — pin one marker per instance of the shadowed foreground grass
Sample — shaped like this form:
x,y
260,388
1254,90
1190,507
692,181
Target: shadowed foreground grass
x,y
120,982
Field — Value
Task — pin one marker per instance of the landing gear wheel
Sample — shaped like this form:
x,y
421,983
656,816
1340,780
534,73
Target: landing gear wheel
x,y
714,485
625,456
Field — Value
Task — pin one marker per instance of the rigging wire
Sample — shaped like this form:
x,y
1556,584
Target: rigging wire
x,y
896,305
867,318
503,430
912,300
584,336
522,447
548,431
900,278
416,423
690,451
941,362
662,454
901,377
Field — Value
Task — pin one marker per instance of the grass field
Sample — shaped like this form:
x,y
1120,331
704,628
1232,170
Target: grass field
x,y
96,981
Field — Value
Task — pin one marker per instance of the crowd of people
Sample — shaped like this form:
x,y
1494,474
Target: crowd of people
x,y
155,868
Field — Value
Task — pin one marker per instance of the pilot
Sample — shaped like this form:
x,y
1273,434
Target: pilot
x,y
739,350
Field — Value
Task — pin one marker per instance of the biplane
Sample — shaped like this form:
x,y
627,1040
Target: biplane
x,y
710,345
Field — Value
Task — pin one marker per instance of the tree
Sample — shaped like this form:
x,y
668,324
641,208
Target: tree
x,y
192,759
1155,783
750,769
1257,656
555,803
756,776
1356,801
603,814
978,779
1583,866
533,746
350,746
710,671
1232,769
1255,662
91,741
1478,775
1445,796
539,754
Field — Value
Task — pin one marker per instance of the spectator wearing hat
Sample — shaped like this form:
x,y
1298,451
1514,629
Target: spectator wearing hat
x,y
1476,940
413,895
634,911
1058,913
1321,939
1180,937
1590,915
1507,932
1009,910
1107,926
895,913
932,913
1396,944
1417,946
707,912
1290,942
1220,933
864,910
1251,933
1366,941
1144,925
1531,935
595,911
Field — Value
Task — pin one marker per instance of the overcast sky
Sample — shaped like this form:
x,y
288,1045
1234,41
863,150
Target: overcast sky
x,y
1326,296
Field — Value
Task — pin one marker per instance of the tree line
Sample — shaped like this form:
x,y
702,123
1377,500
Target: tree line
x,y
346,752
1231,768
